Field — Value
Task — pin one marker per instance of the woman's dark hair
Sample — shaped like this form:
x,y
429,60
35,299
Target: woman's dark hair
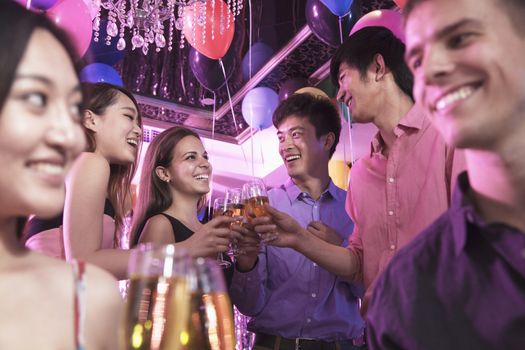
x,y
155,195
360,48
97,98
319,111
16,27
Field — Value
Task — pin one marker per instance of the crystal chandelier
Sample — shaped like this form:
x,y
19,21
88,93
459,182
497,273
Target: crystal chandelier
x,y
151,22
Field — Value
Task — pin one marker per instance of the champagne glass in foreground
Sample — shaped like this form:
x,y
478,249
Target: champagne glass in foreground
x,y
234,195
255,196
222,206
211,314
157,309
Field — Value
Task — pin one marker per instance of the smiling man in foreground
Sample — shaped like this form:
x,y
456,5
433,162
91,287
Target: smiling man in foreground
x,y
461,283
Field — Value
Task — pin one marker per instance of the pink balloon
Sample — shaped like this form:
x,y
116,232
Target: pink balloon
x,y
74,17
382,18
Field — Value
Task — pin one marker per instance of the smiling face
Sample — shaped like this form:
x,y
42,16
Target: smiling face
x,y
189,172
40,131
117,132
303,154
357,93
467,60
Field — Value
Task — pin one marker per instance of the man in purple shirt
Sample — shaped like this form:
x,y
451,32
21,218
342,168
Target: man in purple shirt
x,y
294,303
461,283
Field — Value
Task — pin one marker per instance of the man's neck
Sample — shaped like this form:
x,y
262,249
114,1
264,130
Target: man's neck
x,y
498,184
395,108
313,185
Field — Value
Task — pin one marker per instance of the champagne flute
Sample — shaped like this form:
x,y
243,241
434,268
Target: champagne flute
x,y
157,310
255,196
222,206
211,315
234,195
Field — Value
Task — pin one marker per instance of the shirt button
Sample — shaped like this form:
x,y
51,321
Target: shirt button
x,y
523,253
308,320
314,264
391,179
392,247
314,295
249,279
390,212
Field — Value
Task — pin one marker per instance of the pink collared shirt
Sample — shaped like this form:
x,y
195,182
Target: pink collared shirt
x,y
392,199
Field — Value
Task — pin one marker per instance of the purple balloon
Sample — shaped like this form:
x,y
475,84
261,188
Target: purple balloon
x,y
98,51
209,72
38,4
261,53
290,86
100,73
325,25
258,106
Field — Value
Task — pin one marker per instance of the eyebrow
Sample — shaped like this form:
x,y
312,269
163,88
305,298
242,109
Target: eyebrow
x,y
443,33
291,129
46,81
132,110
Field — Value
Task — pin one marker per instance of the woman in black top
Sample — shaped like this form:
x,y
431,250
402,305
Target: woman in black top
x,y
175,180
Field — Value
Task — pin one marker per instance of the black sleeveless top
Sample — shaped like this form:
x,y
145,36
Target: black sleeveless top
x,y
181,233
37,225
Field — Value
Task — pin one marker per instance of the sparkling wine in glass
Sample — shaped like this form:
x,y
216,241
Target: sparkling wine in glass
x,y
222,206
211,315
157,309
255,197
234,195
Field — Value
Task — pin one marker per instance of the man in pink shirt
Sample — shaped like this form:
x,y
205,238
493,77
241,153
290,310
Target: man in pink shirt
x,y
396,190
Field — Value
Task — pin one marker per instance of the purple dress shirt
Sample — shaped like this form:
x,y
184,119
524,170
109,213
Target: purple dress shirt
x,y
289,295
459,285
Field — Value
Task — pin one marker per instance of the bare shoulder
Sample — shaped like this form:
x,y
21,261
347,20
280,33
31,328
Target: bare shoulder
x,y
157,229
89,163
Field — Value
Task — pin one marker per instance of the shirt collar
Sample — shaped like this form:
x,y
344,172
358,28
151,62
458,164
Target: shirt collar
x,y
414,119
294,192
463,212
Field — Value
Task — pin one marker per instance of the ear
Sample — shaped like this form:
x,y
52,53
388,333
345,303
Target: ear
x,y
163,174
90,120
380,67
329,141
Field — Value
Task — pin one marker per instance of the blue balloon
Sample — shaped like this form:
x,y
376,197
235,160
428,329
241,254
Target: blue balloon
x,y
261,53
39,4
258,106
98,51
100,73
338,7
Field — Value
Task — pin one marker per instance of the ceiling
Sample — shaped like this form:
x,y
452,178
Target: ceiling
x,y
170,94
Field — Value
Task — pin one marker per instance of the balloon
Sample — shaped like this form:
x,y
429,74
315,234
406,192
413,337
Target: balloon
x,y
290,86
313,91
325,25
338,7
74,17
93,6
258,106
209,72
400,3
38,4
100,52
382,18
261,53
217,46
100,73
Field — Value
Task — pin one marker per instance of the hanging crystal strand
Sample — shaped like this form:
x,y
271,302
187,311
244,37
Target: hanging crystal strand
x,y
221,18
202,21
96,25
229,10
194,21
212,19
180,25
172,24
121,43
239,7
234,6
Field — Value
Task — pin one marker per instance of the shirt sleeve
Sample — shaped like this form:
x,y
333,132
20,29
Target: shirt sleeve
x,y
355,245
248,289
